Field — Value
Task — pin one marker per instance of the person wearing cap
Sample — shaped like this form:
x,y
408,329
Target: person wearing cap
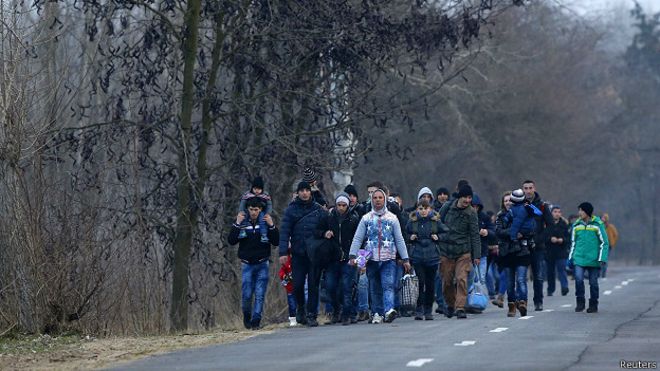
x,y
557,241
298,225
339,228
381,232
256,191
459,249
589,250
538,253
312,177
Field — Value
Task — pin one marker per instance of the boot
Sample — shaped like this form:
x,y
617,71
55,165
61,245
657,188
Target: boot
x,y
301,316
256,323
499,301
564,291
522,307
580,305
593,306
247,320
512,309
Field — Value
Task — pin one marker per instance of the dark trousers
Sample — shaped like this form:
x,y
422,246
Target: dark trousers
x,y
426,274
538,273
300,270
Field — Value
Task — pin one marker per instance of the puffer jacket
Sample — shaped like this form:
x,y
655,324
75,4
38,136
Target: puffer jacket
x,y
589,244
463,236
298,224
502,230
521,222
424,249
343,228
556,251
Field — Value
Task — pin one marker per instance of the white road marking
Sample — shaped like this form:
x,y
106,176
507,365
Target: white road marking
x,y
617,287
526,317
549,310
631,279
567,305
608,292
499,329
465,343
419,362
625,283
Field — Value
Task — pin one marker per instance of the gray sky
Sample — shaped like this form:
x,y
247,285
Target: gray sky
x,y
651,6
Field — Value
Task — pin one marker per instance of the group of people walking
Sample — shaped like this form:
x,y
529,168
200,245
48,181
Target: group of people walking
x,y
360,251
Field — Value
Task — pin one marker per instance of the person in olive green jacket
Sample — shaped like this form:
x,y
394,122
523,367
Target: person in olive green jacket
x,y
459,248
589,249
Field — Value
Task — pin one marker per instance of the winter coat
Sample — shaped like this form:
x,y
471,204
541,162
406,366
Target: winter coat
x,y
556,251
521,222
250,248
382,232
437,205
543,220
298,224
286,276
612,234
511,253
343,228
589,244
463,236
424,249
484,223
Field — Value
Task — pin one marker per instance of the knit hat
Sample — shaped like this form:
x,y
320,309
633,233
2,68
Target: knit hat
x,y
342,197
309,175
424,191
464,191
518,195
441,190
587,208
303,185
258,182
351,190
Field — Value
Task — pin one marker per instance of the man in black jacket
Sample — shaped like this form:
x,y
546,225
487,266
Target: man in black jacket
x,y
538,254
339,227
254,255
557,241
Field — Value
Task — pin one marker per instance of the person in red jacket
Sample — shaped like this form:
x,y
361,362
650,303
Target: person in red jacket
x,y
287,282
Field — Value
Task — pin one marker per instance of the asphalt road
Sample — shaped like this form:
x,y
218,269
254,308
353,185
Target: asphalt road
x,y
627,328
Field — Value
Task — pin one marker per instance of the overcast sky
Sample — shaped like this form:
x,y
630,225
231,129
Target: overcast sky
x,y
651,6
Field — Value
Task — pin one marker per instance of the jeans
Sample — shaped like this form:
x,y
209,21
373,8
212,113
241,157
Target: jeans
x,y
426,275
517,288
558,266
363,292
538,274
254,282
381,285
339,279
291,300
594,272
439,298
491,278
504,281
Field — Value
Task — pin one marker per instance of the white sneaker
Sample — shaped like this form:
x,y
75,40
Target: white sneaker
x,y
292,322
376,318
390,315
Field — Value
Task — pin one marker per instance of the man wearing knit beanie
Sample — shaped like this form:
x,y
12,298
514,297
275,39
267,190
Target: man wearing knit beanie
x,y
589,250
312,178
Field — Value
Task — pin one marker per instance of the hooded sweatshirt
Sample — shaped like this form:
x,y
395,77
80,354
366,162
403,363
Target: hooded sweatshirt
x,y
425,191
382,232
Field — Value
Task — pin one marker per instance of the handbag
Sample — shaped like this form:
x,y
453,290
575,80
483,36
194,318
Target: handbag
x,y
477,297
322,251
409,291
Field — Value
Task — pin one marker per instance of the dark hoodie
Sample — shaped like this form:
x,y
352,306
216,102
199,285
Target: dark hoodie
x,y
343,228
542,221
484,223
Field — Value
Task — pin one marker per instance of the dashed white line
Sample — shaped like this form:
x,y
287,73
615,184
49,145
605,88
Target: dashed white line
x,y
526,317
419,362
607,292
624,283
465,343
499,329
617,287
548,310
567,305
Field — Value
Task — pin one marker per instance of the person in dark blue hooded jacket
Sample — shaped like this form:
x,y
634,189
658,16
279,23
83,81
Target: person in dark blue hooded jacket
x,y
486,228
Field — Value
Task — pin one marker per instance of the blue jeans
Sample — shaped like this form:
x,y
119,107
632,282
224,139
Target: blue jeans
x,y
491,280
363,293
254,282
517,288
538,273
504,281
558,266
381,285
594,272
339,279
291,300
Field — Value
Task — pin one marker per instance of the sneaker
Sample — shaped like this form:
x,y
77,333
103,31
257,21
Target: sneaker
x,y
564,291
311,322
293,322
247,320
418,317
363,316
327,319
461,314
439,310
550,294
428,317
390,315
354,320
264,239
336,318
538,307
256,324
376,318
345,321
301,317
449,312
